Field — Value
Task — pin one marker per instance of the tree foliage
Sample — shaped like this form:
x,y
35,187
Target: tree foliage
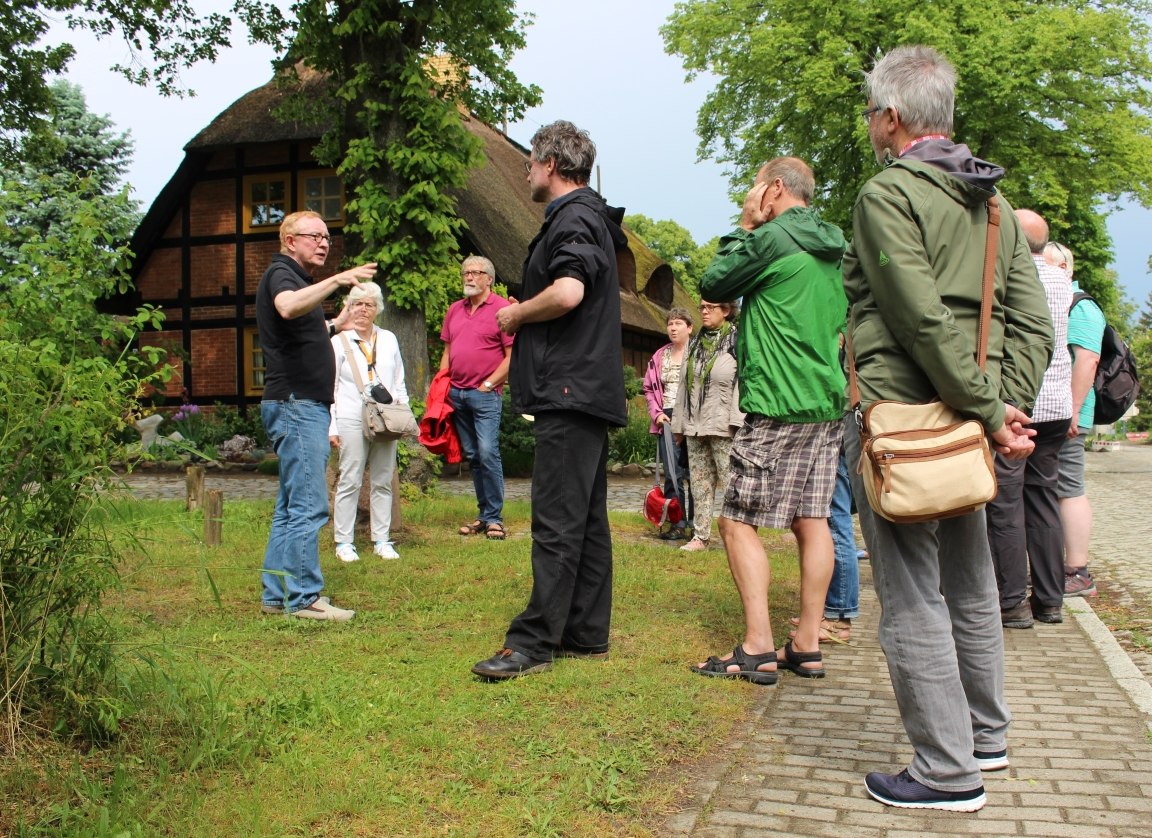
x,y
70,165
162,37
1058,93
401,71
675,245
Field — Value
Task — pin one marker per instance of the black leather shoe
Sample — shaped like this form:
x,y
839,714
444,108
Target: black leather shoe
x,y
1047,613
509,664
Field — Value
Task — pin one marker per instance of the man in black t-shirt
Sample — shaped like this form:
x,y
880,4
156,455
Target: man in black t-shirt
x,y
300,374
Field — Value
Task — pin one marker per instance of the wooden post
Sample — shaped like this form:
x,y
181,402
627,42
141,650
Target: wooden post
x,y
194,486
213,516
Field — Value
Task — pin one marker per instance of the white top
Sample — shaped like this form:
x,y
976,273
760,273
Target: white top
x,y
346,401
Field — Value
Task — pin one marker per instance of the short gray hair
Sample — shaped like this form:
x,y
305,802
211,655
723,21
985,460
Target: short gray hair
x,y
794,173
366,291
920,84
571,148
679,313
483,262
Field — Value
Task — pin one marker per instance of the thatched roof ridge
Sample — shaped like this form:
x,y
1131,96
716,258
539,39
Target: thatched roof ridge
x,y
250,118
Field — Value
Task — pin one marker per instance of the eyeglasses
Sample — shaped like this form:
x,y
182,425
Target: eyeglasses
x,y
527,167
706,307
867,115
363,304
467,274
316,237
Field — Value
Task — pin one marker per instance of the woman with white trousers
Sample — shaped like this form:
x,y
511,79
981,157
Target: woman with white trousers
x,y
374,354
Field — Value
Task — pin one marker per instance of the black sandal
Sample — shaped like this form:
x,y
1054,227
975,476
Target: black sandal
x,y
749,667
495,532
793,660
475,528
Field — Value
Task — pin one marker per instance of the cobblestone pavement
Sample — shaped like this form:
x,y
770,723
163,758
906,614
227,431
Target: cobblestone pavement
x,y
1080,743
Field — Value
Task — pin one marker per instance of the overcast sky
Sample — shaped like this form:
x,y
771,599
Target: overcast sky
x,y
604,68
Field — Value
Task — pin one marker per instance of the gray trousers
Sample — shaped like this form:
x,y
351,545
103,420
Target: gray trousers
x,y
940,632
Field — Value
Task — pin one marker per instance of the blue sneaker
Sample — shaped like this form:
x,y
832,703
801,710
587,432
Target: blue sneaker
x,y
903,791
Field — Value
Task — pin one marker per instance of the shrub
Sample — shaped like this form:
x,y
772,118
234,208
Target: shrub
x,y
633,443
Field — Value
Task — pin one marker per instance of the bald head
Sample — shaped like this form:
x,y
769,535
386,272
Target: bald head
x,y
1035,229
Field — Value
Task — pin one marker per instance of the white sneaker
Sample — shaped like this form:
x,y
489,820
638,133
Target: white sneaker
x,y
385,550
347,553
321,610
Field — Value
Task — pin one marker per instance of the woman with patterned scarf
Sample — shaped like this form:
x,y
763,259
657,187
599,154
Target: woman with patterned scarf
x,y
707,411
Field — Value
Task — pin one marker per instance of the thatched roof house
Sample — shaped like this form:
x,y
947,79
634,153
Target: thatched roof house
x,y
206,239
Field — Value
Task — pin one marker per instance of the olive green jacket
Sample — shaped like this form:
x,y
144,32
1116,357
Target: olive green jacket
x,y
913,278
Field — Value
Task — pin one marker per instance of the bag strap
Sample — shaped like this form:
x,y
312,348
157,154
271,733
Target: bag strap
x,y
986,292
352,362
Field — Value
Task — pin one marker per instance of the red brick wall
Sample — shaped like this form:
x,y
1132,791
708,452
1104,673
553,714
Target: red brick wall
x,y
213,362
160,278
213,268
212,208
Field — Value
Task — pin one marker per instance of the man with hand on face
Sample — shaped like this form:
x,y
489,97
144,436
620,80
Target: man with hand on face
x,y
300,374
784,260
476,354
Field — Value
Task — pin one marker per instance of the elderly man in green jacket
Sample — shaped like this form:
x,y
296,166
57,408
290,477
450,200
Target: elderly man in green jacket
x,y
785,262
913,277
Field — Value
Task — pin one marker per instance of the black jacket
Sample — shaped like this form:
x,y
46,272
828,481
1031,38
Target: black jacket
x,y
574,362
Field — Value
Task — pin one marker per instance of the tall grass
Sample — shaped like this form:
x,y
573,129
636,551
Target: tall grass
x,y
250,725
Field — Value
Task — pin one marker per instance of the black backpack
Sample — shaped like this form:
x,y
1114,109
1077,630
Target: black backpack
x,y
1116,385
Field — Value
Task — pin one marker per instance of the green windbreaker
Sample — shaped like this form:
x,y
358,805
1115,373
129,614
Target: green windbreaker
x,y
913,276
788,272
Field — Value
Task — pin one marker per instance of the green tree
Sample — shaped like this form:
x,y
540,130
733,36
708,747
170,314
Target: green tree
x,y
400,74
163,37
75,159
675,245
1058,93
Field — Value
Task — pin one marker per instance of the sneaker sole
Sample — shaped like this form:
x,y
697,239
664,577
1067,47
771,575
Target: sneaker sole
x,y
993,764
973,805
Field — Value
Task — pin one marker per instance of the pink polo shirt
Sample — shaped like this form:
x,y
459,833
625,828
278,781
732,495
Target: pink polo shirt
x,y
477,345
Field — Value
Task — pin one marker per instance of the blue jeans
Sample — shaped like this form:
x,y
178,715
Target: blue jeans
x,y
477,421
843,599
298,431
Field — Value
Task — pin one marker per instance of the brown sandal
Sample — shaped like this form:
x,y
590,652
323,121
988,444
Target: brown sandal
x,y
495,532
831,631
475,528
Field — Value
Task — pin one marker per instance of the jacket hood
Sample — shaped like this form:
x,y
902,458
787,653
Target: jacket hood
x,y
954,168
590,198
814,234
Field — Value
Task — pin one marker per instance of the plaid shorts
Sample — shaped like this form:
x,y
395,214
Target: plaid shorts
x,y
781,471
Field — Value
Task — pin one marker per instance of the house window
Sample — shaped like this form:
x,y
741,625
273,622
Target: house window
x,y
323,192
265,200
253,363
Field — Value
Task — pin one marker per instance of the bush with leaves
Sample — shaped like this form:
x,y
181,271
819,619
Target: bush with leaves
x,y
68,383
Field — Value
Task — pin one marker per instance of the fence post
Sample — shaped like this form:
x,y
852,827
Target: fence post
x,y
194,487
213,516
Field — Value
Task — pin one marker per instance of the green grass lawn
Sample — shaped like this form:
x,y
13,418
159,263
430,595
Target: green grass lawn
x,y
245,724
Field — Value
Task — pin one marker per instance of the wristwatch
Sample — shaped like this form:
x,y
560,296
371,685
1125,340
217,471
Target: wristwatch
x,y
331,328
489,385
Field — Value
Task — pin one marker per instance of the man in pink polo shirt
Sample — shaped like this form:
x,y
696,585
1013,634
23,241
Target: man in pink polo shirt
x,y
476,354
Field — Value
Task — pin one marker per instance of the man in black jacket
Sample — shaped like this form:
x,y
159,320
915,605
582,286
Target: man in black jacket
x,y
567,372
